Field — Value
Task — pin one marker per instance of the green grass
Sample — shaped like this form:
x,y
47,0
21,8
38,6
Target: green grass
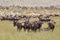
x,y
9,32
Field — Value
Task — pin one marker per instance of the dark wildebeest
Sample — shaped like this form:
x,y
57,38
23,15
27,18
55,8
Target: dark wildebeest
x,y
14,22
56,14
39,25
18,24
27,26
34,26
9,18
51,25
46,19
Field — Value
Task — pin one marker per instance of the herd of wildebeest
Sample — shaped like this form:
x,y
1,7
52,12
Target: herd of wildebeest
x,y
30,26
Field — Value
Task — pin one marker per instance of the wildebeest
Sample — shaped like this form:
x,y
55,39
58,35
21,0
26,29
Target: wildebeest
x,y
10,17
14,22
18,24
56,14
51,25
45,19
39,25
27,26
36,25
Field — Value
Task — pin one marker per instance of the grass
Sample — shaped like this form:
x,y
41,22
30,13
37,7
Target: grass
x,y
9,32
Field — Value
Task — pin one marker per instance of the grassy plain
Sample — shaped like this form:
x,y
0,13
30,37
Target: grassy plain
x,y
9,32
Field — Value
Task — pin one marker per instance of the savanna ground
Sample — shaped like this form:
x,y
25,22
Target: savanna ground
x,y
9,32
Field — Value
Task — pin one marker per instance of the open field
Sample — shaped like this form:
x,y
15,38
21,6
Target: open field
x,y
9,32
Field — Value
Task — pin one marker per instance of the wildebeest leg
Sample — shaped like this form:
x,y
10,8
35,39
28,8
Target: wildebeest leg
x,y
53,29
18,28
32,28
47,29
14,24
24,28
35,29
28,29
1,19
39,29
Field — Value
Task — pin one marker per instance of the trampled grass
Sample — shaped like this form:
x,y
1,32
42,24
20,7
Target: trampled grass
x,y
9,32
